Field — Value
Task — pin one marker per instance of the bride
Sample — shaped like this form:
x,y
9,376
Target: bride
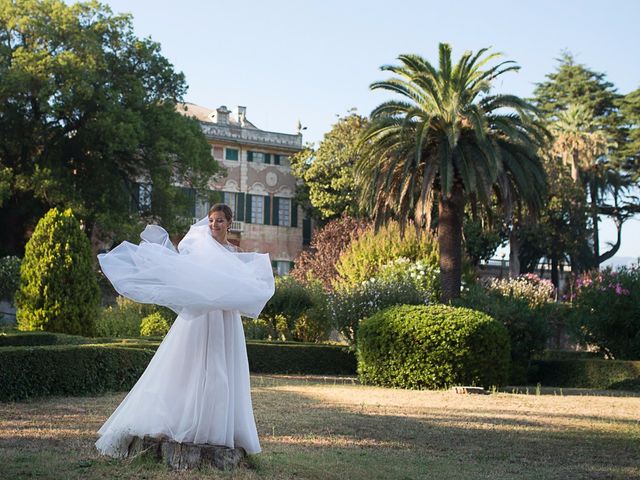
x,y
196,387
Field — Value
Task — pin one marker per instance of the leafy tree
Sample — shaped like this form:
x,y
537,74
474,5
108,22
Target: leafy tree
x,y
328,171
87,109
590,135
58,288
629,152
447,143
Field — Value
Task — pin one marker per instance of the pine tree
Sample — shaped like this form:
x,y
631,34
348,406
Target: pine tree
x,y
58,288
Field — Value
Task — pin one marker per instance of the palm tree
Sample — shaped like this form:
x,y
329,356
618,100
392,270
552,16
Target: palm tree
x,y
445,143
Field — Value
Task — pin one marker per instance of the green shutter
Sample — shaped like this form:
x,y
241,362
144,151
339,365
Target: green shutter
x,y
135,198
276,159
240,207
267,210
267,158
306,231
294,213
247,215
276,208
231,154
249,156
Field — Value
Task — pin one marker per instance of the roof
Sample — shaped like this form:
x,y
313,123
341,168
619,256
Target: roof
x,y
208,115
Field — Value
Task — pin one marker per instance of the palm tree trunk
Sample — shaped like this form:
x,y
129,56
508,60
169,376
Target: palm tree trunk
x,y
450,217
594,218
514,252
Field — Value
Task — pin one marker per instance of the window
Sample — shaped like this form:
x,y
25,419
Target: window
x,y
257,209
230,198
202,206
258,157
282,267
231,154
282,160
284,212
144,197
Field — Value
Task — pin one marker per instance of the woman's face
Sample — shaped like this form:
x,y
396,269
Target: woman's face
x,y
219,225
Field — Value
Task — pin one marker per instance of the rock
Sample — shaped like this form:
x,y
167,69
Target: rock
x,y
187,456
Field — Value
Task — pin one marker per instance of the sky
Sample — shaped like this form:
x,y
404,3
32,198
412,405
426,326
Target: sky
x,y
313,61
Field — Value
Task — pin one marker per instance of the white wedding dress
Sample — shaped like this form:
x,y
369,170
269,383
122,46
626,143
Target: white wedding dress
x,y
196,387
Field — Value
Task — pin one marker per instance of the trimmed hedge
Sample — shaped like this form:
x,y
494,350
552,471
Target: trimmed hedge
x,y
55,369
432,347
271,357
587,373
39,339
69,370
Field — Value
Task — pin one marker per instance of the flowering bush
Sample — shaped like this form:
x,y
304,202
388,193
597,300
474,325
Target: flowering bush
x,y
365,257
525,306
425,277
535,290
607,311
349,305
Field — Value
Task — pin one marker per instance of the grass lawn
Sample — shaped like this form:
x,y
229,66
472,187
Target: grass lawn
x,y
319,429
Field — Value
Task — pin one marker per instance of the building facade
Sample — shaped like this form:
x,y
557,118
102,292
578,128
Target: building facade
x,y
258,184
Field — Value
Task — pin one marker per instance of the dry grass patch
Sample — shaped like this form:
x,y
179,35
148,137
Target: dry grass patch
x,y
330,429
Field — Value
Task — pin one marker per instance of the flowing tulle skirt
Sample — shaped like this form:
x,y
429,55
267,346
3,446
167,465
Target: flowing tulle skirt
x,y
195,389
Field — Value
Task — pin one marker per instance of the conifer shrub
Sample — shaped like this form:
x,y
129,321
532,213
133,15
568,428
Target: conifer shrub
x,y
154,325
433,346
58,289
366,256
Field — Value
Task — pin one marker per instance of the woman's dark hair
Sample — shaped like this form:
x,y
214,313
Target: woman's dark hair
x,y
224,208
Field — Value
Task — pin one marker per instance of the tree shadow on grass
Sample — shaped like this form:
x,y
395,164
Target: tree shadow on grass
x,y
307,436
457,443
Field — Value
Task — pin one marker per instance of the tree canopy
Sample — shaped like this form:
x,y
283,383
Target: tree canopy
x,y
448,142
87,111
328,171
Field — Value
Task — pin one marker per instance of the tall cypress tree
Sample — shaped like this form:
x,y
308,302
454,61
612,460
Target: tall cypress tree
x,y
58,288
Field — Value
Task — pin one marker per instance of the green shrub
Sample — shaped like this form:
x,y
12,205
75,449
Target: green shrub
x,y
277,357
432,347
88,369
256,328
586,373
154,325
58,289
124,319
9,277
528,326
297,311
607,312
69,370
350,305
39,338
364,258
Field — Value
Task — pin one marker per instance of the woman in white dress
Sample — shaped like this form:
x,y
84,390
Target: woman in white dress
x,y
196,387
